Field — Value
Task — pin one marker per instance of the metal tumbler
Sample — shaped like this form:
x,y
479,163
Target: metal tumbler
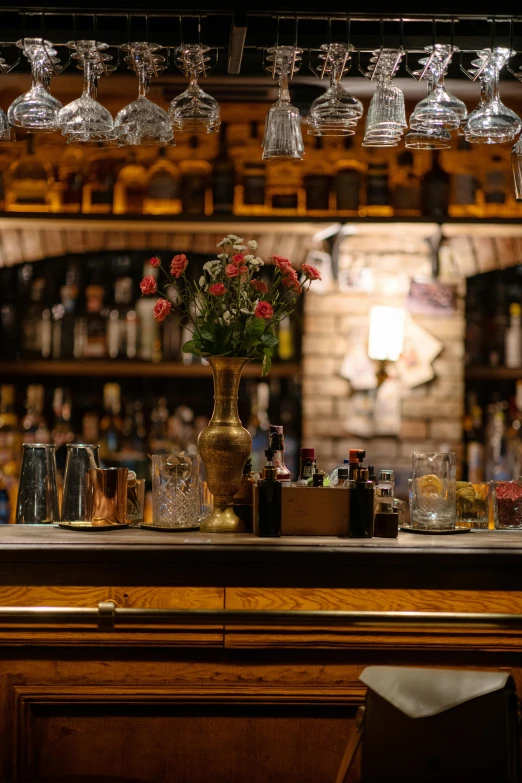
x,y
37,502
107,493
81,457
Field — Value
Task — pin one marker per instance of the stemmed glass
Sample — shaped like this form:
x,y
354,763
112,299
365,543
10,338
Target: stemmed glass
x,y
386,118
194,111
336,112
439,109
516,164
37,110
85,120
283,138
142,121
491,122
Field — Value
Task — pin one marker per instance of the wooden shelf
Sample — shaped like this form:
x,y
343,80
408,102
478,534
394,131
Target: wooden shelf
x,y
485,373
131,369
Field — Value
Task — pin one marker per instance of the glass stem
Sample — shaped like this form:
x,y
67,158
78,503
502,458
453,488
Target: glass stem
x,y
284,93
90,83
142,80
489,91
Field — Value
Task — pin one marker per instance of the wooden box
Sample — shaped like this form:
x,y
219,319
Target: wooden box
x,y
312,511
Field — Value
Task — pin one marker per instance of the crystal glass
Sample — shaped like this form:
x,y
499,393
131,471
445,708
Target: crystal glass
x,y
433,492
491,122
37,110
194,111
283,137
175,490
386,118
37,502
516,165
81,457
425,138
135,499
85,120
336,112
439,109
142,121
507,504
473,505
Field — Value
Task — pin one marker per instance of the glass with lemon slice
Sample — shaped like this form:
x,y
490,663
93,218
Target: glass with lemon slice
x,y
433,491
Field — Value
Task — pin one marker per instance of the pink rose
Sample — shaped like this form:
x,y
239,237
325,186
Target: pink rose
x,y
282,262
263,310
231,270
310,272
243,270
217,289
161,309
238,259
260,286
148,285
178,265
155,261
292,285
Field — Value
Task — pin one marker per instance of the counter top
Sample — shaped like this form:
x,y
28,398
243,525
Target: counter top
x,y
51,555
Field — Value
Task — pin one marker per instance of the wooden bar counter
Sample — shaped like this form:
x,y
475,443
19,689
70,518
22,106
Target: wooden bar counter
x,y
194,692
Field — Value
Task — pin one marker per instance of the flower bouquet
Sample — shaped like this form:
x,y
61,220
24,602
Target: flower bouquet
x,y
230,310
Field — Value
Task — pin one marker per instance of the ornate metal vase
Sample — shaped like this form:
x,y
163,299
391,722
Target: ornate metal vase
x,y
224,446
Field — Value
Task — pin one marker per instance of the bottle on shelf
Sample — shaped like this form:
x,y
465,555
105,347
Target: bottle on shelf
x,y
317,181
250,192
162,192
10,432
29,183
91,328
497,323
378,190
497,462
34,424
474,444
348,180
435,188
513,338
269,500
342,479
405,195
285,194
196,181
159,441
465,195
122,325
66,331
130,186
276,442
111,424
514,436
9,322
223,176
67,191
98,190
496,187
286,345
36,325
362,492
307,466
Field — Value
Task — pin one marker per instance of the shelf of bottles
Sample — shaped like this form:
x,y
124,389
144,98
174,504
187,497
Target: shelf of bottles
x,y
223,174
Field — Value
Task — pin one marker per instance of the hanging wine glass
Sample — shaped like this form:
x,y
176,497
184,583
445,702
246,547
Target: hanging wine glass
x,y
85,120
283,138
142,121
386,118
491,122
37,110
194,111
336,112
439,109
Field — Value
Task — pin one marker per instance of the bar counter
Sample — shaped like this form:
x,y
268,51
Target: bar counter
x,y
141,667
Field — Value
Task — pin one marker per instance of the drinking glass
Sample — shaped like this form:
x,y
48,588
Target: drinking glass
x,y
81,457
433,492
491,122
283,138
386,118
84,120
175,490
516,165
37,502
473,505
135,499
142,121
439,109
336,112
194,111
37,110
424,138
507,504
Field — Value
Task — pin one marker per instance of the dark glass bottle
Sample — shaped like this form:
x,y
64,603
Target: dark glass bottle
x,y
378,190
307,466
254,174
223,177
435,190
195,182
5,507
276,442
361,504
317,480
8,314
269,496
348,181
317,182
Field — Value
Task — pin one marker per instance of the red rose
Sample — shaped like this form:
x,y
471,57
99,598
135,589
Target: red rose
x,y
282,262
218,289
231,270
263,310
178,265
148,285
238,259
155,261
292,284
243,270
260,286
310,272
161,309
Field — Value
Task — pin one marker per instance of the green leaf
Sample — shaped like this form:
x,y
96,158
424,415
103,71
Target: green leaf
x,y
192,346
255,327
208,331
270,340
267,364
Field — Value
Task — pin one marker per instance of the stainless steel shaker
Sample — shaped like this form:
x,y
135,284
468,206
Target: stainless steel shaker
x,y
37,502
76,506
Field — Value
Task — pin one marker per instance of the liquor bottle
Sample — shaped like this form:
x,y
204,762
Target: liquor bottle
x,y
475,323
317,181
110,424
286,344
250,193
29,182
66,193
513,339
497,462
307,466
405,196
134,432
348,181
98,191
269,500
93,325
10,433
285,194
9,325
464,192
384,492
355,460
162,194
474,445
435,187
276,442
122,326
342,479
62,432
67,336
514,436
496,187
34,424
196,177
497,322
223,176
362,492
159,442
378,190
36,325
129,190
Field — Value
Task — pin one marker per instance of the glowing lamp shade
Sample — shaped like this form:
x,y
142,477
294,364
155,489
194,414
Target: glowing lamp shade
x,y
386,339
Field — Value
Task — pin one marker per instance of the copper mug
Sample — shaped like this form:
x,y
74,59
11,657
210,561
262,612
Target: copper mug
x,y
107,496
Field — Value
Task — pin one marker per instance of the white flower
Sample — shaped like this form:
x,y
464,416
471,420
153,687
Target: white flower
x,y
245,311
212,267
234,240
202,281
223,242
249,258
227,318
239,248
223,257
252,244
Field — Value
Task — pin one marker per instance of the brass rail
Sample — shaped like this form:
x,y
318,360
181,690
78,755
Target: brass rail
x,y
108,617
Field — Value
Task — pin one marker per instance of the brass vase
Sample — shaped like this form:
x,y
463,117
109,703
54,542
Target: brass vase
x,y
224,446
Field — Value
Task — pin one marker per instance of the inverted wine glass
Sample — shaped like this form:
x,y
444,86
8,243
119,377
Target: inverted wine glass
x,y
37,110
516,164
386,118
194,111
283,138
426,138
336,112
439,109
491,122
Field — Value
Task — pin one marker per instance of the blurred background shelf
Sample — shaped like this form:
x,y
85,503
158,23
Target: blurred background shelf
x,y
485,373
